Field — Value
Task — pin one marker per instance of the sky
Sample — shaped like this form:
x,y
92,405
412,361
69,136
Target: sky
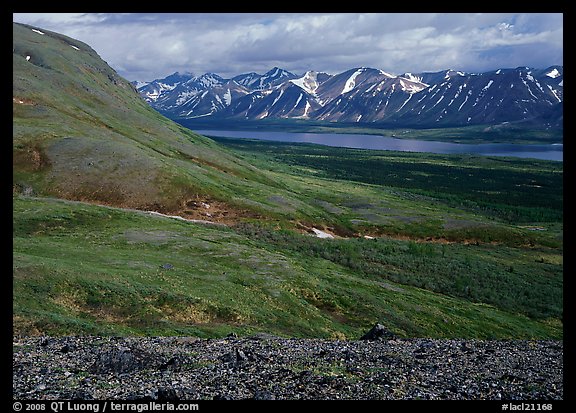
x,y
148,46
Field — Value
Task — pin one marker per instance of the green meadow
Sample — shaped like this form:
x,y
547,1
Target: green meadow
x,y
426,263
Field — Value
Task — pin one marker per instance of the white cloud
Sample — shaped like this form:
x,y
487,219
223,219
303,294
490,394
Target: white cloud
x,y
145,46
49,19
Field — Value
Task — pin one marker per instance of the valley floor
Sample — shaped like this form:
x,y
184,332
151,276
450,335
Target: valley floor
x,y
272,368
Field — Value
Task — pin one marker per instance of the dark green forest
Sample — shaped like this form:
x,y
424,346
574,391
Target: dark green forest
x,y
513,189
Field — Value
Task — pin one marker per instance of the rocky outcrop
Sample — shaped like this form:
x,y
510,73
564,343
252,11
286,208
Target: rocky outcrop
x,y
378,332
273,368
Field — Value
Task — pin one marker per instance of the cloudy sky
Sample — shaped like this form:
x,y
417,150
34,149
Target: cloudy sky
x,y
148,46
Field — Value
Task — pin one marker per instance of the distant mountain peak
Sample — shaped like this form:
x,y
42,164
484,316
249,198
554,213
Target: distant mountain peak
x,y
277,72
364,94
186,73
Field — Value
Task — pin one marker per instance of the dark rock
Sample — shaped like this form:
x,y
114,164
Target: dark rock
x,y
172,364
378,332
306,377
238,357
80,394
263,395
222,397
167,266
167,394
119,360
235,358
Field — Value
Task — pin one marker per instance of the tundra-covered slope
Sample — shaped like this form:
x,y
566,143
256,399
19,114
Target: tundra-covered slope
x,y
82,132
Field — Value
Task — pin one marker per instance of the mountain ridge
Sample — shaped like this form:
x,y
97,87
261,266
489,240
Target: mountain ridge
x,y
368,95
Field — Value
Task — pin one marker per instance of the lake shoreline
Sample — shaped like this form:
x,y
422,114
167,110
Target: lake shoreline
x,y
500,133
550,152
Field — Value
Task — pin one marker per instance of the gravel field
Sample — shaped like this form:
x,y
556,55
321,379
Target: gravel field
x,y
268,367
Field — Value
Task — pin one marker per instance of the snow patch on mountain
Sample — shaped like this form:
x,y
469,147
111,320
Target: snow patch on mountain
x,y
490,82
406,101
306,109
351,82
386,74
308,82
228,97
278,97
298,101
554,73
412,86
554,93
184,97
155,94
528,86
208,80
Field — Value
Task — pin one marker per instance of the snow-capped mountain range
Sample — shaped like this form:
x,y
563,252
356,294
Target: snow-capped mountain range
x,y
445,98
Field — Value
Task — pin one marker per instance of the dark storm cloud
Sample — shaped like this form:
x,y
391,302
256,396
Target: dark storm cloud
x,y
145,46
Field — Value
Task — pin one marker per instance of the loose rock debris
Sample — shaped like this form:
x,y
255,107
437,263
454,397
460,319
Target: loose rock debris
x,y
268,367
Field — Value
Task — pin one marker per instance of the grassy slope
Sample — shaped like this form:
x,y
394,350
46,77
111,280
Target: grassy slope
x,y
82,132
80,268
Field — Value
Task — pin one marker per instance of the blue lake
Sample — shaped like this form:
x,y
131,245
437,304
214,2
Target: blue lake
x,y
551,152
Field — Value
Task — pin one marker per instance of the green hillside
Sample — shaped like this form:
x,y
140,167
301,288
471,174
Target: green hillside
x,y
82,132
81,268
431,246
